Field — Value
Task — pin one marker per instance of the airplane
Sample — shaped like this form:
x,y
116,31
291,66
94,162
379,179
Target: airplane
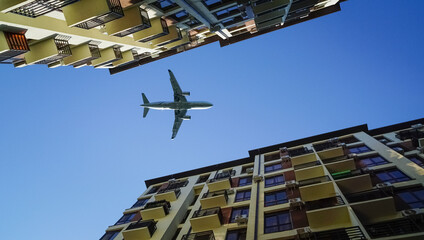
x,y
180,105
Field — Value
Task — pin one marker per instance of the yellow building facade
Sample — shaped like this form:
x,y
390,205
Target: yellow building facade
x,y
353,183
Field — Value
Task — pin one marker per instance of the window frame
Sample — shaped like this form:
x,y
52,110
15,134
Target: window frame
x,y
273,167
248,183
274,182
393,179
372,159
358,151
244,198
277,214
276,201
234,212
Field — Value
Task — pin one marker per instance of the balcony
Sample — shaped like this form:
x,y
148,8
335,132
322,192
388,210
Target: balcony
x,y
207,235
221,181
108,56
268,13
184,40
351,233
314,181
324,203
396,227
159,28
299,151
317,191
127,57
333,152
37,8
155,210
376,210
340,166
88,14
206,219
303,159
48,51
330,218
309,173
12,45
214,199
306,165
141,230
173,36
354,184
82,54
135,19
168,194
367,195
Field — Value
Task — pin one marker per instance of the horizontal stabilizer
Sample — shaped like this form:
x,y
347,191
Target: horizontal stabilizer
x,y
146,110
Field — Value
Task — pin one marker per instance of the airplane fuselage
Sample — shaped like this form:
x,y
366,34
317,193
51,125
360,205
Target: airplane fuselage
x,y
177,105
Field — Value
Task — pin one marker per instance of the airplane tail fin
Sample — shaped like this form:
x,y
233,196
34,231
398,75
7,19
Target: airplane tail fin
x,y
145,100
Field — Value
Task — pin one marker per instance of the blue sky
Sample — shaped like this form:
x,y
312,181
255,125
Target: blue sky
x,y
75,151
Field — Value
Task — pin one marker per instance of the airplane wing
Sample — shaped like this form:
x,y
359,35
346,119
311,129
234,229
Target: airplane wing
x,y
177,122
178,93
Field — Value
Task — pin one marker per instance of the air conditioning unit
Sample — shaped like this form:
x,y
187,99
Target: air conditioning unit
x,y
241,219
285,158
291,184
421,149
417,126
172,180
421,143
384,186
230,191
352,155
334,140
412,212
258,178
303,233
249,170
295,202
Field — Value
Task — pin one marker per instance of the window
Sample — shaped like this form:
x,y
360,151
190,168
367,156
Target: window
x,y
274,181
274,167
383,140
203,178
348,140
176,234
109,235
239,212
126,218
274,198
415,198
239,234
242,196
392,176
227,12
153,190
398,149
271,157
181,15
277,222
360,149
165,5
245,181
372,161
140,203
417,160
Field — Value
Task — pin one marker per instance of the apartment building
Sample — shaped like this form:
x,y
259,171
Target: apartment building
x,y
352,183
122,34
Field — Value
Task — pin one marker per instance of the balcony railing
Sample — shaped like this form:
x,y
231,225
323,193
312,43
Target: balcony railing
x,y
216,193
150,224
305,165
222,176
17,45
335,159
40,7
324,203
207,212
314,181
299,151
115,12
396,227
347,173
207,235
177,191
145,23
162,203
332,143
63,50
367,195
351,233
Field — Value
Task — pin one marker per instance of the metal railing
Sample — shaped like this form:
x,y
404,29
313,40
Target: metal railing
x,y
162,203
115,12
314,181
216,193
324,203
305,165
40,7
63,50
176,191
207,235
17,45
208,212
367,195
150,224
332,143
299,151
351,233
145,23
222,176
394,227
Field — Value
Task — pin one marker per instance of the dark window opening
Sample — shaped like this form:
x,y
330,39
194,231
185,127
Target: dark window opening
x,y
392,176
245,181
277,222
239,234
109,235
274,167
237,212
140,203
360,149
371,161
275,198
242,196
274,181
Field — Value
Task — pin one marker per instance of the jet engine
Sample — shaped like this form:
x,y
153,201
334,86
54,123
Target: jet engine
x,y
186,117
185,93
